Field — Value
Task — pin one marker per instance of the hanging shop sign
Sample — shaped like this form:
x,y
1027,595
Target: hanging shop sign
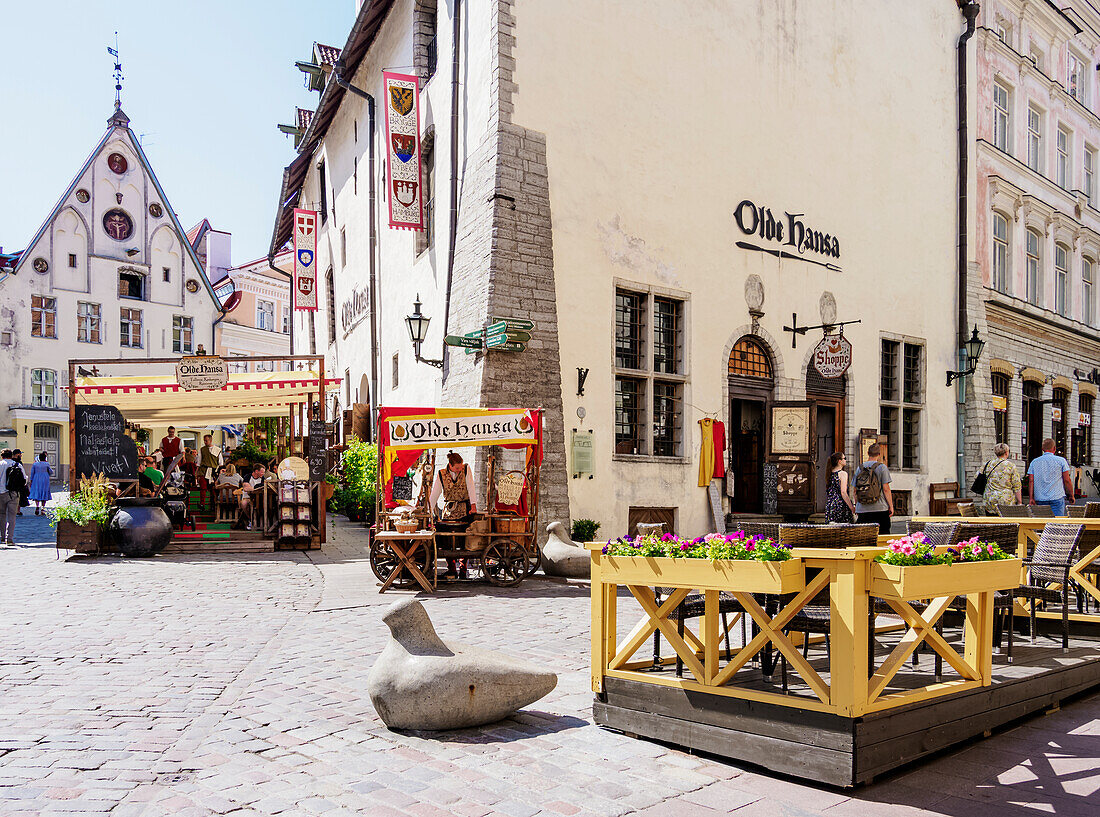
x,y
1084,418
1000,403
205,372
833,356
305,260
1056,414
442,429
787,230
403,150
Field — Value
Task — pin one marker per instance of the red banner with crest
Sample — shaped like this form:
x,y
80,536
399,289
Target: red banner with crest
x,y
404,186
305,261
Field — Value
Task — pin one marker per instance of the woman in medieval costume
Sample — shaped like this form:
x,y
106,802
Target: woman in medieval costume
x,y
456,484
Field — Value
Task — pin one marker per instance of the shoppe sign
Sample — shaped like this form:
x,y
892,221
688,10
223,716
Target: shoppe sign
x,y
205,372
833,356
305,260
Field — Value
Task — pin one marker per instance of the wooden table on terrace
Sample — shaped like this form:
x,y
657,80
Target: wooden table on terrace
x,y
405,547
1030,528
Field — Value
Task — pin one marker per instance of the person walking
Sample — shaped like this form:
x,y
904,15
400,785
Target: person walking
x,y
1048,480
871,490
1002,481
40,484
11,481
838,507
25,491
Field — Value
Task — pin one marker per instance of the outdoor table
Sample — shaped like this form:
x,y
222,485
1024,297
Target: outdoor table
x,y
405,547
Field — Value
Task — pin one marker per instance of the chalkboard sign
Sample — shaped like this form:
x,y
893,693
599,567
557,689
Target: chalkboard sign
x,y
102,445
771,488
318,450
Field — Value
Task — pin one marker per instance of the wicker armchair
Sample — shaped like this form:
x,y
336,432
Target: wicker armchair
x,y
1041,511
767,529
968,509
1049,565
1092,510
1012,510
1075,511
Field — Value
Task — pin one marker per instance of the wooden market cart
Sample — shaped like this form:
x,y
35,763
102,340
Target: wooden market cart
x,y
500,545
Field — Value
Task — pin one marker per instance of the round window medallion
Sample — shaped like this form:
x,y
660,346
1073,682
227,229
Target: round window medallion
x,y
117,162
83,196
155,210
41,265
117,224
192,285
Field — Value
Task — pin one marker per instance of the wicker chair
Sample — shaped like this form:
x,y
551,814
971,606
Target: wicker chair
x,y
1049,564
1012,510
1005,535
968,509
1092,510
767,529
1041,511
1075,511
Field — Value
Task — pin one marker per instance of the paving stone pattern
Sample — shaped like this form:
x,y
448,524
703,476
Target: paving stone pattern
x,y
225,685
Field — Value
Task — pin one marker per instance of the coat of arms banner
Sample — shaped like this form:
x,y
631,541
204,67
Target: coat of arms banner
x,y
305,260
403,150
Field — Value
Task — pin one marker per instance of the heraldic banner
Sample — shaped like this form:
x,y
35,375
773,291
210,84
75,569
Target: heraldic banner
x,y
403,150
305,260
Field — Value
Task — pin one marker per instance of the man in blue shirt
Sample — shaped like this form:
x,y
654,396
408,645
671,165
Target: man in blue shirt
x,y
1048,480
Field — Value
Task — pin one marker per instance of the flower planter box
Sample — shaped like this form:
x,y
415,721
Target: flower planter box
x,y
929,581
748,576
80,538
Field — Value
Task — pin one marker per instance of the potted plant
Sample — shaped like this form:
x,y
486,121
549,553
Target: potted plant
x,y
584,530
912,569
751,564
360,469
81,518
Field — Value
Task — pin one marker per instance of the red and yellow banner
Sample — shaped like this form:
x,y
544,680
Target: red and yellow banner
x,y
305,260
422,428
405,189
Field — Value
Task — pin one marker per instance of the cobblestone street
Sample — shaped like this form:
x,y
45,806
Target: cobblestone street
x,y
237,685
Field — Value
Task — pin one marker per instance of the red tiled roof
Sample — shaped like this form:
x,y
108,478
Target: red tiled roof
x,y
305,116
325,54
196,232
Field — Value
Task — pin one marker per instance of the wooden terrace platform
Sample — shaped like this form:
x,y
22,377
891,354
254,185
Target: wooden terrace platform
x,y
847,751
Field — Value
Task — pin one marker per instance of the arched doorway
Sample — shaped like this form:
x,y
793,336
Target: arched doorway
x,y
751,382
828,395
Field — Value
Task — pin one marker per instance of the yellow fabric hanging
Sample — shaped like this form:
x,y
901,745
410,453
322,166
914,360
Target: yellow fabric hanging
x,y
706,452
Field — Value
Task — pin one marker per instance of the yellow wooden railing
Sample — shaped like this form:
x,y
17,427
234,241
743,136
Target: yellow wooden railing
x,y
851,579
1030,529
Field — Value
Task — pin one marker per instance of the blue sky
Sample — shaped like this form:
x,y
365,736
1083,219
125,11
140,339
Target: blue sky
x,y
206,83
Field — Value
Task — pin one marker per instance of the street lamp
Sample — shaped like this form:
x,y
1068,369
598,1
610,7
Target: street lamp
x,y
418,332
973,347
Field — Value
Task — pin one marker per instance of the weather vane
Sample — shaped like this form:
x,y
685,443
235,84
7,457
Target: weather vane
x,y
118,72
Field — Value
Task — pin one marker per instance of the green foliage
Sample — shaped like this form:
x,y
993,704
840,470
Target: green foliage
x,y
82,507
916,549
252,452
584,530
360,463
143,435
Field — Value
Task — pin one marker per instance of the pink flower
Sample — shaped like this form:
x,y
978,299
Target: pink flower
x,y
909,550
685,546
750,546
989,549
976,549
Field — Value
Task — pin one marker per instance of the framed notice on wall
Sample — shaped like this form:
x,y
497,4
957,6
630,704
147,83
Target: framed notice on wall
x,y
582,454
792,429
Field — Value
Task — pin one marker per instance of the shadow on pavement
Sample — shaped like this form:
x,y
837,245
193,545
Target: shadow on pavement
x,y
524,725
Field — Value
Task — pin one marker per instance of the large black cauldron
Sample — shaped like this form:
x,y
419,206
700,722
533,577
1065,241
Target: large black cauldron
x,y
139,527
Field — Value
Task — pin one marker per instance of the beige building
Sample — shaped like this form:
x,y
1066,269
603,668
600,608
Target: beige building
x,y
109,274
1033,285
663,196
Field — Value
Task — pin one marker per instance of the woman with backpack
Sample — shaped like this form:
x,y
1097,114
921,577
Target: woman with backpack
x,y
998,482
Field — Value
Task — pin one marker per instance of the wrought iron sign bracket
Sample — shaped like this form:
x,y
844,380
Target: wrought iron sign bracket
x,y
797,330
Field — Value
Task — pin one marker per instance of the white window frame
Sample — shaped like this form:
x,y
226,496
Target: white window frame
x,y
43,388
286,320
1035,138
265,315
1002,117
1064,167
130,321
1089,165
1061,279
1078,87
88,321
1088,287
1001,254
1033,284
183,334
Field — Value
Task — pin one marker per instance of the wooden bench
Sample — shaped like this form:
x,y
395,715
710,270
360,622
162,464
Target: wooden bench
x,y
944,499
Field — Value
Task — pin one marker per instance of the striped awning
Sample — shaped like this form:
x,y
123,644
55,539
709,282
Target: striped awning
x,y
157,400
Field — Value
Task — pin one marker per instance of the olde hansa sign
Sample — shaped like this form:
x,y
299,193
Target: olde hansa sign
x,y
203,372
833,356
787,231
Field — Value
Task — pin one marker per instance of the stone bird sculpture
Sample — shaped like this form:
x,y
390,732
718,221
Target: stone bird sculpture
x,y
421,682
561,556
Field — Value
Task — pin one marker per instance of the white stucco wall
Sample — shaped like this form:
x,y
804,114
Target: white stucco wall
x,y
841,111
